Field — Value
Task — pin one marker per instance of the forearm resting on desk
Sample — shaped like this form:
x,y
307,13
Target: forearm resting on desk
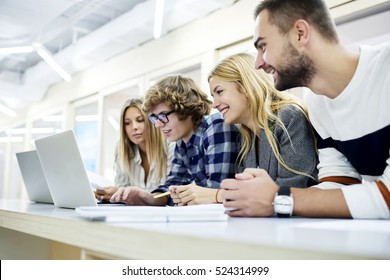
x,y
315,202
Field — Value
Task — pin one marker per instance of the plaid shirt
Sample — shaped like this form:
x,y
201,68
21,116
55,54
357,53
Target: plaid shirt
x,y
208,157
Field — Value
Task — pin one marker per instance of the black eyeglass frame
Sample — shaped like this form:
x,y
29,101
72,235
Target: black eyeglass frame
x,y
162,117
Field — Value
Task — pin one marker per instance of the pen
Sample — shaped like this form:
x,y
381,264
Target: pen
x,y
162,194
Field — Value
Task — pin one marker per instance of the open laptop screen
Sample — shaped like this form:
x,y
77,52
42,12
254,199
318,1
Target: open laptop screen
x,y
64,170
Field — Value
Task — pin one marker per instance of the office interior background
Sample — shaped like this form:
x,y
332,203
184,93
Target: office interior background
x,y
110,51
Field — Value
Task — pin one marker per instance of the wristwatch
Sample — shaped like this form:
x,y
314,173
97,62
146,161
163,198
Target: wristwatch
x,y
284,203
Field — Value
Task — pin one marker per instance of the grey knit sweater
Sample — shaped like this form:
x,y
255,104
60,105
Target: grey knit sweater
x,y
297,150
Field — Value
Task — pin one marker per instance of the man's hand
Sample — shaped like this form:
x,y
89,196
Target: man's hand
x,y
250,194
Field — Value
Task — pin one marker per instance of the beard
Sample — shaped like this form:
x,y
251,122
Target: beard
x,y
298,70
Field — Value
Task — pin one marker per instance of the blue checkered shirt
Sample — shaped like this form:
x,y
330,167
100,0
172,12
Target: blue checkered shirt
x,y
208,157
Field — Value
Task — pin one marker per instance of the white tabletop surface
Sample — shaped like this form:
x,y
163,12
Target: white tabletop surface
x,y
292,238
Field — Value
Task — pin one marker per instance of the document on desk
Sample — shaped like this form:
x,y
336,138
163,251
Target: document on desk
x,y
97,181
191,213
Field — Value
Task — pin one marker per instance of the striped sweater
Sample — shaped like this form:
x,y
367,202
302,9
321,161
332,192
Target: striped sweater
x,y
354,136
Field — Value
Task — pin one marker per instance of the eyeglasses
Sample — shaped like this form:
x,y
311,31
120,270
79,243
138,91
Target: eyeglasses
x,y
163,117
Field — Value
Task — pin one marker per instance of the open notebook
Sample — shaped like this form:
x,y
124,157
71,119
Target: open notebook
x,y
192,213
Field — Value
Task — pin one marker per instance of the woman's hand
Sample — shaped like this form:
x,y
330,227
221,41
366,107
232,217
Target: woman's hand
x,y
106,193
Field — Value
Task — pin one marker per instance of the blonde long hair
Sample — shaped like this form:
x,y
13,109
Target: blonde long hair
x,y
156,149
264,101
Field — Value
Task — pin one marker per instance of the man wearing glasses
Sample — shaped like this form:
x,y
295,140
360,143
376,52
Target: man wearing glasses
x,y
206,147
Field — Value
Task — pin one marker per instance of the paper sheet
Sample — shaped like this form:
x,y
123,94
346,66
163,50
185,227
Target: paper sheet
x,y
97,181
205,212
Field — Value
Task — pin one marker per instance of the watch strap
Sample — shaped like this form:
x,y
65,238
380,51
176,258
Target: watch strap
x,y
280,215
284,191
287,192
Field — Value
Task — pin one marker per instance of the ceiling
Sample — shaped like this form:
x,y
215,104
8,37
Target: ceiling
x,y
79,34
83,33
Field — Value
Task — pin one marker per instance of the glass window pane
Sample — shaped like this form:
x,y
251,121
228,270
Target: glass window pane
x,y
3,146
17,137
46,126
86,132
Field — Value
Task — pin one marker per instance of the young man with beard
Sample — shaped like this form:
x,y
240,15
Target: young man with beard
x,y
298,45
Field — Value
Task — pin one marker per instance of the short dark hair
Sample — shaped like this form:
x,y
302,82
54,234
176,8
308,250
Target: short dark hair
x,y
284,13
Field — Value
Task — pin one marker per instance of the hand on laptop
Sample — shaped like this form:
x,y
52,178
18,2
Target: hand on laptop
x,y
106,193
136,196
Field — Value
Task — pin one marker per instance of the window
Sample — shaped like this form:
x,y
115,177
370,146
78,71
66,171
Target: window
x,y
13,184
3,148
46,126
86,131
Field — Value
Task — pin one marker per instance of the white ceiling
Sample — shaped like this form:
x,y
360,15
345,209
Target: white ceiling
x,y
80,34
84,33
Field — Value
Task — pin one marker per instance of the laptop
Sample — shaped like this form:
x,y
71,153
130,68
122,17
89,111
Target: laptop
x,y
33,177
64,170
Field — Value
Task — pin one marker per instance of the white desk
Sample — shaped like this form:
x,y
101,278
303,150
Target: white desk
x,y
238,238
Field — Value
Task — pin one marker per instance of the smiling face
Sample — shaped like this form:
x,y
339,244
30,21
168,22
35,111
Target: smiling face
x,y
229,101
277,56
134,122
175,128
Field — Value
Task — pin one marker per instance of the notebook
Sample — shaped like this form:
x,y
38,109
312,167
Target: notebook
x,y
191,213
33,177
64,170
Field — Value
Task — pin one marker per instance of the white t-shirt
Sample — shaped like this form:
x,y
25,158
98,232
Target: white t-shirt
x,y
354,130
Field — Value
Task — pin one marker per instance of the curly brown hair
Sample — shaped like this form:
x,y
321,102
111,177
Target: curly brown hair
x,y
182,95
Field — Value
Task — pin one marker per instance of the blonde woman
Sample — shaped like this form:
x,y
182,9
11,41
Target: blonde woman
x,y
276,133
143,156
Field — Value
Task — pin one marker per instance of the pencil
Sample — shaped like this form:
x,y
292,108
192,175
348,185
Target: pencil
x,y
162,194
